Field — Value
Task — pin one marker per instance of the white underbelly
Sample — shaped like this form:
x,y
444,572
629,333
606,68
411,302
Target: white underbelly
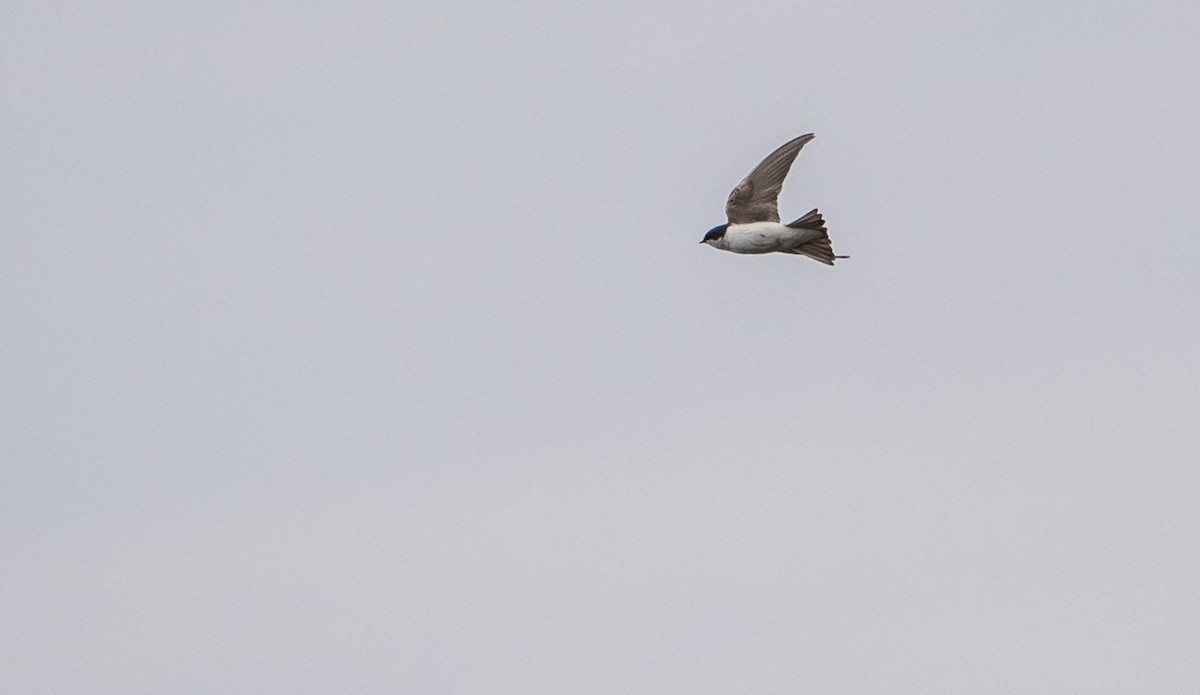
x,y
760,237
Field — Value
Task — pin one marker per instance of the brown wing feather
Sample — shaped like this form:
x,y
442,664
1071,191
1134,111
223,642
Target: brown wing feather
x,y
756,198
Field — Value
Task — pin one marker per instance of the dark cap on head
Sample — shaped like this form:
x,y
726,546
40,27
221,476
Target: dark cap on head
x,y
714,233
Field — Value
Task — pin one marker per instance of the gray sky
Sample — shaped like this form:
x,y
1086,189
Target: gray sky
x,y
371,349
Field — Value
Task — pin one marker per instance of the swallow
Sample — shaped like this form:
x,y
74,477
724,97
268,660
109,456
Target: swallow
x,y
753,214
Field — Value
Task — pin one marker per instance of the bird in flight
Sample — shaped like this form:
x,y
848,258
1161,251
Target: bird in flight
x,y
753,212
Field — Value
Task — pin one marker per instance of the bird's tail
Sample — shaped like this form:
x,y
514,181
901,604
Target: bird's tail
x,y
819,249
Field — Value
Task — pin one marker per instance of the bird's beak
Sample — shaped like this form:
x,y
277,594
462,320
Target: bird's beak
x,y
701,241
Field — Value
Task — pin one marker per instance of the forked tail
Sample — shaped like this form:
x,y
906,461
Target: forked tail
x,y
819,249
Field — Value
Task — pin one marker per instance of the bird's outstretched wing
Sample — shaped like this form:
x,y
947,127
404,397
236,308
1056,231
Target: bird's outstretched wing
x,y
756,198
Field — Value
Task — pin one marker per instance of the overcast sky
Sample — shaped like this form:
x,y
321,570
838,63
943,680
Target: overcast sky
x,y
370,349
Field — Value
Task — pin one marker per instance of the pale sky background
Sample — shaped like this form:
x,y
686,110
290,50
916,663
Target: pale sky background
x,y
369,348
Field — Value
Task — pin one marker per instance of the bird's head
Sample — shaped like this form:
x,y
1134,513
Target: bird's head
x,y
714,235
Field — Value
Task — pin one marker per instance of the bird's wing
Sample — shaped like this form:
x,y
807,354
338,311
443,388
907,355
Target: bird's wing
x,y
756,198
